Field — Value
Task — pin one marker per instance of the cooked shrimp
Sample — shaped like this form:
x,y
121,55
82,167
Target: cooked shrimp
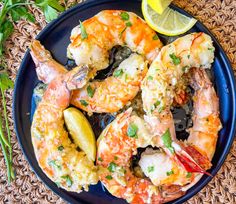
x,y
46,67
90,45
116,146
92,39
56,154
175,59
111,94
200,145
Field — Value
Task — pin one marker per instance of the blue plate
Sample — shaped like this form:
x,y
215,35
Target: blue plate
x,y
55,37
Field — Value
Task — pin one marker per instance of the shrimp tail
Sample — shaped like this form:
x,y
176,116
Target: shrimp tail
x,y
191,159
171,192
46,67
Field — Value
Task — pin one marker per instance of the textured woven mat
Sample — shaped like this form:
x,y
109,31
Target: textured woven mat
x,y
218,15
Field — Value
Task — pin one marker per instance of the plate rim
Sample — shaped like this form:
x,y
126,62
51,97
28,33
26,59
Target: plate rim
x,y
87,4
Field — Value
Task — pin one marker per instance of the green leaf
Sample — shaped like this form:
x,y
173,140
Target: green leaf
x,y
21,12
150,78
50,13
60,148
5,82
167,141
128,24
90,91
132,130
100,159
7,29
112,167
84,34
124,16
168,173
155,37
109,177
69,182
83,102
176,60
118,72
56,5
150,169
189,175
53,163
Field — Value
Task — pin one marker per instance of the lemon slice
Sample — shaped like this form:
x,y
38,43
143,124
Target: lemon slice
x,y
80,131
159,5
169,23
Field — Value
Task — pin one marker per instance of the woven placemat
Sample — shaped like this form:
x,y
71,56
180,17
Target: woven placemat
x,y
218,15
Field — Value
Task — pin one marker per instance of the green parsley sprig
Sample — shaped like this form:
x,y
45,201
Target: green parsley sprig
x,y
5,84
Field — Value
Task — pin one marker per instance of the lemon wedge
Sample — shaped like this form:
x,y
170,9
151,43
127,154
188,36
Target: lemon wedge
x,y
80,131
169,23
159,5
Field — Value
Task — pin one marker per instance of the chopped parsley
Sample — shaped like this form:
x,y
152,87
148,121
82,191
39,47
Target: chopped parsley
x,y
150,169
166,139
161,109
132,130
168,173
188,56
118,72
60,148
124,16
90,91
185,69
109,177
100,159
189,175
84,34
128,24
69,182
155,37
54,164
175,59
150,78
211,48
83,102
112,167
115,157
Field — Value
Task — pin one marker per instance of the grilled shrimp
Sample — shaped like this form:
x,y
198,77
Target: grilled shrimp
x,y
200,145
111,94
92,39
56,154
116,146
104,31
158,91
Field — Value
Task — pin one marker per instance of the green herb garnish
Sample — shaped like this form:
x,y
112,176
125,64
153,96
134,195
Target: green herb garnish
x,y
90,91
150,169
84,34
150,78
132,130
175,59
189,175
112,167
124,16
168,173
155,37
115,157
69,182
118,72
128,24
83,102
100,159
167,141
60,148
109,177
54,164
